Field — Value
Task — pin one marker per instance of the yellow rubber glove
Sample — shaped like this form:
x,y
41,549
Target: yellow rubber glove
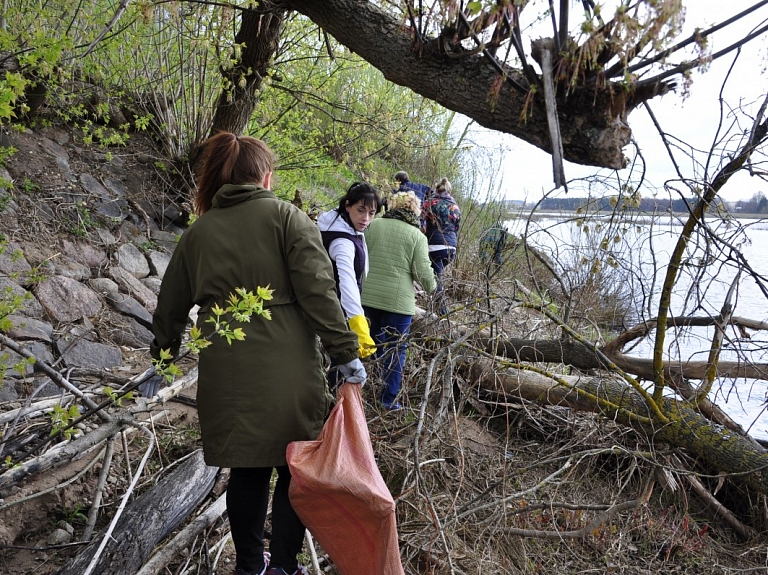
x,y
359,325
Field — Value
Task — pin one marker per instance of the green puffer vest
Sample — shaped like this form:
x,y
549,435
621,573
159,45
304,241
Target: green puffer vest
x,y
398,255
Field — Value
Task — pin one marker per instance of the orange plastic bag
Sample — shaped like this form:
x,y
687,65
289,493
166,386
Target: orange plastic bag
x,y
340,496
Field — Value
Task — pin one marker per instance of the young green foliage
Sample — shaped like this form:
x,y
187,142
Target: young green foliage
x,y
241,306
61,418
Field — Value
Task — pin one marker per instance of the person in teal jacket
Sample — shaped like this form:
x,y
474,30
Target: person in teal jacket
x,y
398,256
256,396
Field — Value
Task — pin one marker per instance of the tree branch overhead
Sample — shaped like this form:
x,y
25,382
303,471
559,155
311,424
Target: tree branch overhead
x,y
593,120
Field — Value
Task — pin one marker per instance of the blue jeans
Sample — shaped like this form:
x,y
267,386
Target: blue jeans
x,y
388,330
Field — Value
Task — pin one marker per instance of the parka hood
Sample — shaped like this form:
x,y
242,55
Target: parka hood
x,y
231,194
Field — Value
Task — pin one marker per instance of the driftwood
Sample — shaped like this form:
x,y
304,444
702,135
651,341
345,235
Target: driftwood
x,y
583,357
67,451
172,550
612,397
148,520
63,453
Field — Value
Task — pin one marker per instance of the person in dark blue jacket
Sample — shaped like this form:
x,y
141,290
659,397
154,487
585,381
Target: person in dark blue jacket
x,y
442,219
404,183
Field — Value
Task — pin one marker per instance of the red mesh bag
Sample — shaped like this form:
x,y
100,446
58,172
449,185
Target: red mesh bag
x,y
340,496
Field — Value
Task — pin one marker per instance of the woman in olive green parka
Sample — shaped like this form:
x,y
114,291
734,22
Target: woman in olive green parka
x,y
256,395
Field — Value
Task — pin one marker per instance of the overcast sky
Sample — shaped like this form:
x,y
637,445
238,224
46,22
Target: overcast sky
x,y
526,172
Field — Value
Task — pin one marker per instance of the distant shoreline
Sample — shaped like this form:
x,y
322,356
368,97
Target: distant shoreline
x,y
524,212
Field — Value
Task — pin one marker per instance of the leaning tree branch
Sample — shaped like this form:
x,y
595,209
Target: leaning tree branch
x,y
685,428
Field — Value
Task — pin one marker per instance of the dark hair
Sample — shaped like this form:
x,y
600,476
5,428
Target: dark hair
x,y
230,159
359,192
401,177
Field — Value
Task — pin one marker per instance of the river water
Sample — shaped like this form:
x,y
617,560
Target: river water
x,y
635,254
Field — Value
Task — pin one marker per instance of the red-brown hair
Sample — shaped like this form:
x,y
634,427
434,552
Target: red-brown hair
x,y
230,159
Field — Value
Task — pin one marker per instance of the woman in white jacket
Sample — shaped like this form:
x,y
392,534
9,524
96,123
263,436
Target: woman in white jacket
x,y
342,231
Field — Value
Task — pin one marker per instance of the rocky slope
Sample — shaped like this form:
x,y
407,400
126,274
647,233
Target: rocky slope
x,y
86,243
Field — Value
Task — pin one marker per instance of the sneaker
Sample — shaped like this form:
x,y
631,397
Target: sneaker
x,y
262,572
394,406
300,570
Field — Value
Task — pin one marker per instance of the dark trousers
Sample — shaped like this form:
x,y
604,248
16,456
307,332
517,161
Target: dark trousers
x,y
247,502
440,260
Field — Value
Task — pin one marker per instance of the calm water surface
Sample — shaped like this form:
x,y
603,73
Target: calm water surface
x,y
644,246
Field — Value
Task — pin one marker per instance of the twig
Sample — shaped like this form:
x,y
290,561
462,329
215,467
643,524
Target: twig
x,y
55,487
93,513
312,552
52,373
123,502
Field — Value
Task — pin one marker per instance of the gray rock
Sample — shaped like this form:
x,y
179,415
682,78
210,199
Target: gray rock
x,y
15,364
117,187
41,352
166,240
82,353
30,307
43,386
103,286
29,328
56,134
158,262
130,258
106,237
85,253
59,537
94,187
153,283
116,209
13,261
126,305
129,232
65,299
134,287
69,268
126,331
8,391
61,156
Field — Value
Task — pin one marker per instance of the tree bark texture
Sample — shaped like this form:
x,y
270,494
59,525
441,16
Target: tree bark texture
x,y
260,32
718,448
593,121
583,357
148,520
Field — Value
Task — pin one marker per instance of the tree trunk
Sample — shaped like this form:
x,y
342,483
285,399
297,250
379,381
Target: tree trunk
x,y
260,32
148,520
593,120
719,449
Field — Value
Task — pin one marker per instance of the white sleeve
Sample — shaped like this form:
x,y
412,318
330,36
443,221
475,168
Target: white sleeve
x,y
342,252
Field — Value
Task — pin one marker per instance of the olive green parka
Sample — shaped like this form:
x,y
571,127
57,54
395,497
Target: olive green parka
x,y
257,395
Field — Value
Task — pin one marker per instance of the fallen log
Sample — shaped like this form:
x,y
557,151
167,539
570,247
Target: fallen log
x,y
148,520
717,447
185,538
583,357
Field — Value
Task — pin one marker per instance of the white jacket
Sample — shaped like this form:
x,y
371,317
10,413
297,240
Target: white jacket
x,y
342,253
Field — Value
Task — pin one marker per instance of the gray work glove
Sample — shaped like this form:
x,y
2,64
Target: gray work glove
x,y
151,385
354,372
